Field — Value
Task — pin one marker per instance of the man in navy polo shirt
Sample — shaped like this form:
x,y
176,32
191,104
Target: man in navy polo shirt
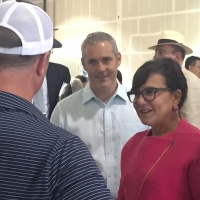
x,y
37,159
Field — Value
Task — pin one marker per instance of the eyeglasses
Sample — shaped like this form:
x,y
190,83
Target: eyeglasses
x,y
148,94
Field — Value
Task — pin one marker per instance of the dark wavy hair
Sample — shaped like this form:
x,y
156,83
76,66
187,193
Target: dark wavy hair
x,y
169,69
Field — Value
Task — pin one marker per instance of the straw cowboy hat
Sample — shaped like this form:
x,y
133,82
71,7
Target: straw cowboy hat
x,y
174,38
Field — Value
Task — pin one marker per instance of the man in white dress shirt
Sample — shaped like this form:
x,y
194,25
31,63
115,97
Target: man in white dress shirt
x,y
100,114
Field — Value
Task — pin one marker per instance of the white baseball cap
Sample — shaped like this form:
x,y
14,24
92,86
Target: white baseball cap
x,y
32,25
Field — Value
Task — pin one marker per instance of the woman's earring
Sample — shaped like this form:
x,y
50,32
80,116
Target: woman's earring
x,y
175,108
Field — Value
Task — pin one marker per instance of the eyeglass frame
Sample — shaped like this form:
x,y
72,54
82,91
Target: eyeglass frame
x,y
155,90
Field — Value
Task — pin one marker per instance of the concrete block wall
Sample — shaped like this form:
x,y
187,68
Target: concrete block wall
x,y
135,24
149,17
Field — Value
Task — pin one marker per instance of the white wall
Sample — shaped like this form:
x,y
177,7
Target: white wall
x,y
135,24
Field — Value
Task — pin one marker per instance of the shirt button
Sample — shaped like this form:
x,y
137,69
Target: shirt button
x,y
109,175
108,152
107,130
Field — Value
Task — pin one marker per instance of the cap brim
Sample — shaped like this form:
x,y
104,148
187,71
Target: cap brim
x,y
56,44
185,48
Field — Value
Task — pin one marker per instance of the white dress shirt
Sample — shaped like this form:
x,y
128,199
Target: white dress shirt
x,y
104,128
43,96
191,107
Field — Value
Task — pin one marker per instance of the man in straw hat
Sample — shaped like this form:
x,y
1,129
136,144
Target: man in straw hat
x,y
171,45
37,159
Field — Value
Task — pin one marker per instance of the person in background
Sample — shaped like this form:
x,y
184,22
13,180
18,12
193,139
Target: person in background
x,y
192,64
48,95
83,80
76,85
171,45
163,162
37,159
72,87
100,113
56,76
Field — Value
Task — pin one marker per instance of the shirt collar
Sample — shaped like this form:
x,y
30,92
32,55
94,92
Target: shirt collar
x,y
121,92
11,101
88,93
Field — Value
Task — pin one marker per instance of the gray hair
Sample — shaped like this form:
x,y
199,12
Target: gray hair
x,y
76,85
96,37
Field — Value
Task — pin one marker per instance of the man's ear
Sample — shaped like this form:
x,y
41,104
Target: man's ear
x,y
42,64
119,59
179,58
190,68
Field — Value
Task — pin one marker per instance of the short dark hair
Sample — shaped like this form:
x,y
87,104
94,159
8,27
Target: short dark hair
x,y
82,78
191,61
179,49
9,39
119,76
169,69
